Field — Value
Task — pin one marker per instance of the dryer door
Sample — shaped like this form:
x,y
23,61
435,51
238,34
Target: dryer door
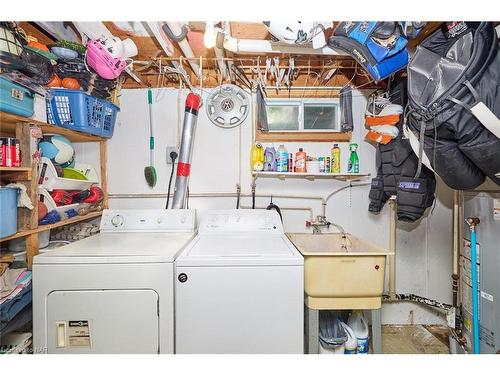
x,y
103,321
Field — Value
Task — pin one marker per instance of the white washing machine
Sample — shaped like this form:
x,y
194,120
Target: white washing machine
x,y
239,287
112,292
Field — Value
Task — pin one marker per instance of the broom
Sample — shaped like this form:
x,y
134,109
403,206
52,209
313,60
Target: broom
x,y
150,171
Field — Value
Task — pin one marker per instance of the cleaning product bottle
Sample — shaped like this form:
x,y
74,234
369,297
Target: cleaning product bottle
x,y
270,159
290,162
353,165
335,160
300,161
257,157
351,345
282,159
359,326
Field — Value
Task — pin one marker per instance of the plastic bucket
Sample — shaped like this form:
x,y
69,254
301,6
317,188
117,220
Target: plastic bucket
x,y
8,211
19,244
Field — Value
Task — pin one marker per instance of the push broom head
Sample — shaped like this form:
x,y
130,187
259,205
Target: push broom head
x,y
150,175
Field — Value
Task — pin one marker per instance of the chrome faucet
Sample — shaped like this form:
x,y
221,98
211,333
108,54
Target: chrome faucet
x,y
318,223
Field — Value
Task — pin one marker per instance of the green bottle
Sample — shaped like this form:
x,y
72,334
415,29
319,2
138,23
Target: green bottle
x,y
353,165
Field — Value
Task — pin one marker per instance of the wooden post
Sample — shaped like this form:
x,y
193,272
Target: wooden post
x,y
103,155
27,219
32,246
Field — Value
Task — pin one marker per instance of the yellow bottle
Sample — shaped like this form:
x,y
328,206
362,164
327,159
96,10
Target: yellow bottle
x,y
257,157
335,159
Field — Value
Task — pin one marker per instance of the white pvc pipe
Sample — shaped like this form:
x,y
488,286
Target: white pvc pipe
x,y
392,248
176,29
266,46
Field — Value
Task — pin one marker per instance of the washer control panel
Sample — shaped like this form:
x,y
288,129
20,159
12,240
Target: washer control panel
x,y
241,221
129,220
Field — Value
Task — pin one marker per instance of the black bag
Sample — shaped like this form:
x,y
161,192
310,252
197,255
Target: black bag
x,y
452,70
37,67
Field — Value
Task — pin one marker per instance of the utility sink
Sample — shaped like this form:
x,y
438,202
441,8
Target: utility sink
x,y
341,272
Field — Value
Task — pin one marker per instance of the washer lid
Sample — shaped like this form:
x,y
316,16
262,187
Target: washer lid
x,y
240,250
119,248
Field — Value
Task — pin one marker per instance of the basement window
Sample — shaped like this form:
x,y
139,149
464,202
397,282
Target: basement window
x,y
303,119
303,115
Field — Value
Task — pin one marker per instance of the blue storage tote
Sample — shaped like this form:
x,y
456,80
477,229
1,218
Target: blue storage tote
x,y
15,98
76,110
8,211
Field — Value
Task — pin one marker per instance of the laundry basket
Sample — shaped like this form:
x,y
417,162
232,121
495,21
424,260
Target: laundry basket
x,y
76,110
8,214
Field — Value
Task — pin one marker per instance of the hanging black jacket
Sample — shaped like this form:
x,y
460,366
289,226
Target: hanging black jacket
x,y
396,168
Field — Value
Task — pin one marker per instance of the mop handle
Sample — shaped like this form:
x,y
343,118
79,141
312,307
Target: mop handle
x,y
151,137
475,302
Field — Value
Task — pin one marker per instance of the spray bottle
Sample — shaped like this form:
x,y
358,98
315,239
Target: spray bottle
x,y
353,165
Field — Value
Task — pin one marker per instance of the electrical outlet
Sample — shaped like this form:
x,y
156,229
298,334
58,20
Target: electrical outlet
x,y
169,150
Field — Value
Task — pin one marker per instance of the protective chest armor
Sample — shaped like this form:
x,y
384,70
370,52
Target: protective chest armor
x,y
396,169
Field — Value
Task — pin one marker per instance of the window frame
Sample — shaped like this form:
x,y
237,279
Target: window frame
x,y
302,103
304,135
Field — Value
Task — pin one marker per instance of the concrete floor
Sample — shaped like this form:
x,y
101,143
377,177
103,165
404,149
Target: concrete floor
x,y
414,339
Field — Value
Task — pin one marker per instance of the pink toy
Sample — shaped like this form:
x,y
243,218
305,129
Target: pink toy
x,y
107,66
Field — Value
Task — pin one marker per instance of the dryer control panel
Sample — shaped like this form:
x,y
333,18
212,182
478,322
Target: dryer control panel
x,y
264,221
129,220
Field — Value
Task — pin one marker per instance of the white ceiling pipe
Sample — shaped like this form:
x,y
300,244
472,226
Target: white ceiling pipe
x,y
59,30
176,29
155,29
266,46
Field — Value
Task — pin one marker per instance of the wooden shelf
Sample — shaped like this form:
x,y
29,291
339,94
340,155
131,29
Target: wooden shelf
x,y
313,176
13,174
9,122
61,223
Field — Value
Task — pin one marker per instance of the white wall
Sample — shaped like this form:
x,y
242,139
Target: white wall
x,y
424,249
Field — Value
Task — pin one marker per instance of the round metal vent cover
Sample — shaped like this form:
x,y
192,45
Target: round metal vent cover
x,y
227,106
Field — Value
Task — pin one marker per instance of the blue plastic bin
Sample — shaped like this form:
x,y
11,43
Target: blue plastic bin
x,y
15,99
76,110
8,211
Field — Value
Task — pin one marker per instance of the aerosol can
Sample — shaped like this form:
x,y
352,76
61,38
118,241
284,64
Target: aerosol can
x,y
353,165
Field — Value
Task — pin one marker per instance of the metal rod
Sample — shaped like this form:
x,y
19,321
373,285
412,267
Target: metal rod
x,y
473,222
456,245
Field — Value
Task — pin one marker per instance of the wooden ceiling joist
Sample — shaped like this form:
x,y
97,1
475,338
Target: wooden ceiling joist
x,y
309,67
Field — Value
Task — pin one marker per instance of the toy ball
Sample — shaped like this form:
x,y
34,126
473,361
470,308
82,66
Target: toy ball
x,y
58,149
55,81
71,83
42,210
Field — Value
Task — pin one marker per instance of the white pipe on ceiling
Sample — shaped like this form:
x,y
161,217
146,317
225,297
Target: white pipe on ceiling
x,y
266,46
59,30
176,29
